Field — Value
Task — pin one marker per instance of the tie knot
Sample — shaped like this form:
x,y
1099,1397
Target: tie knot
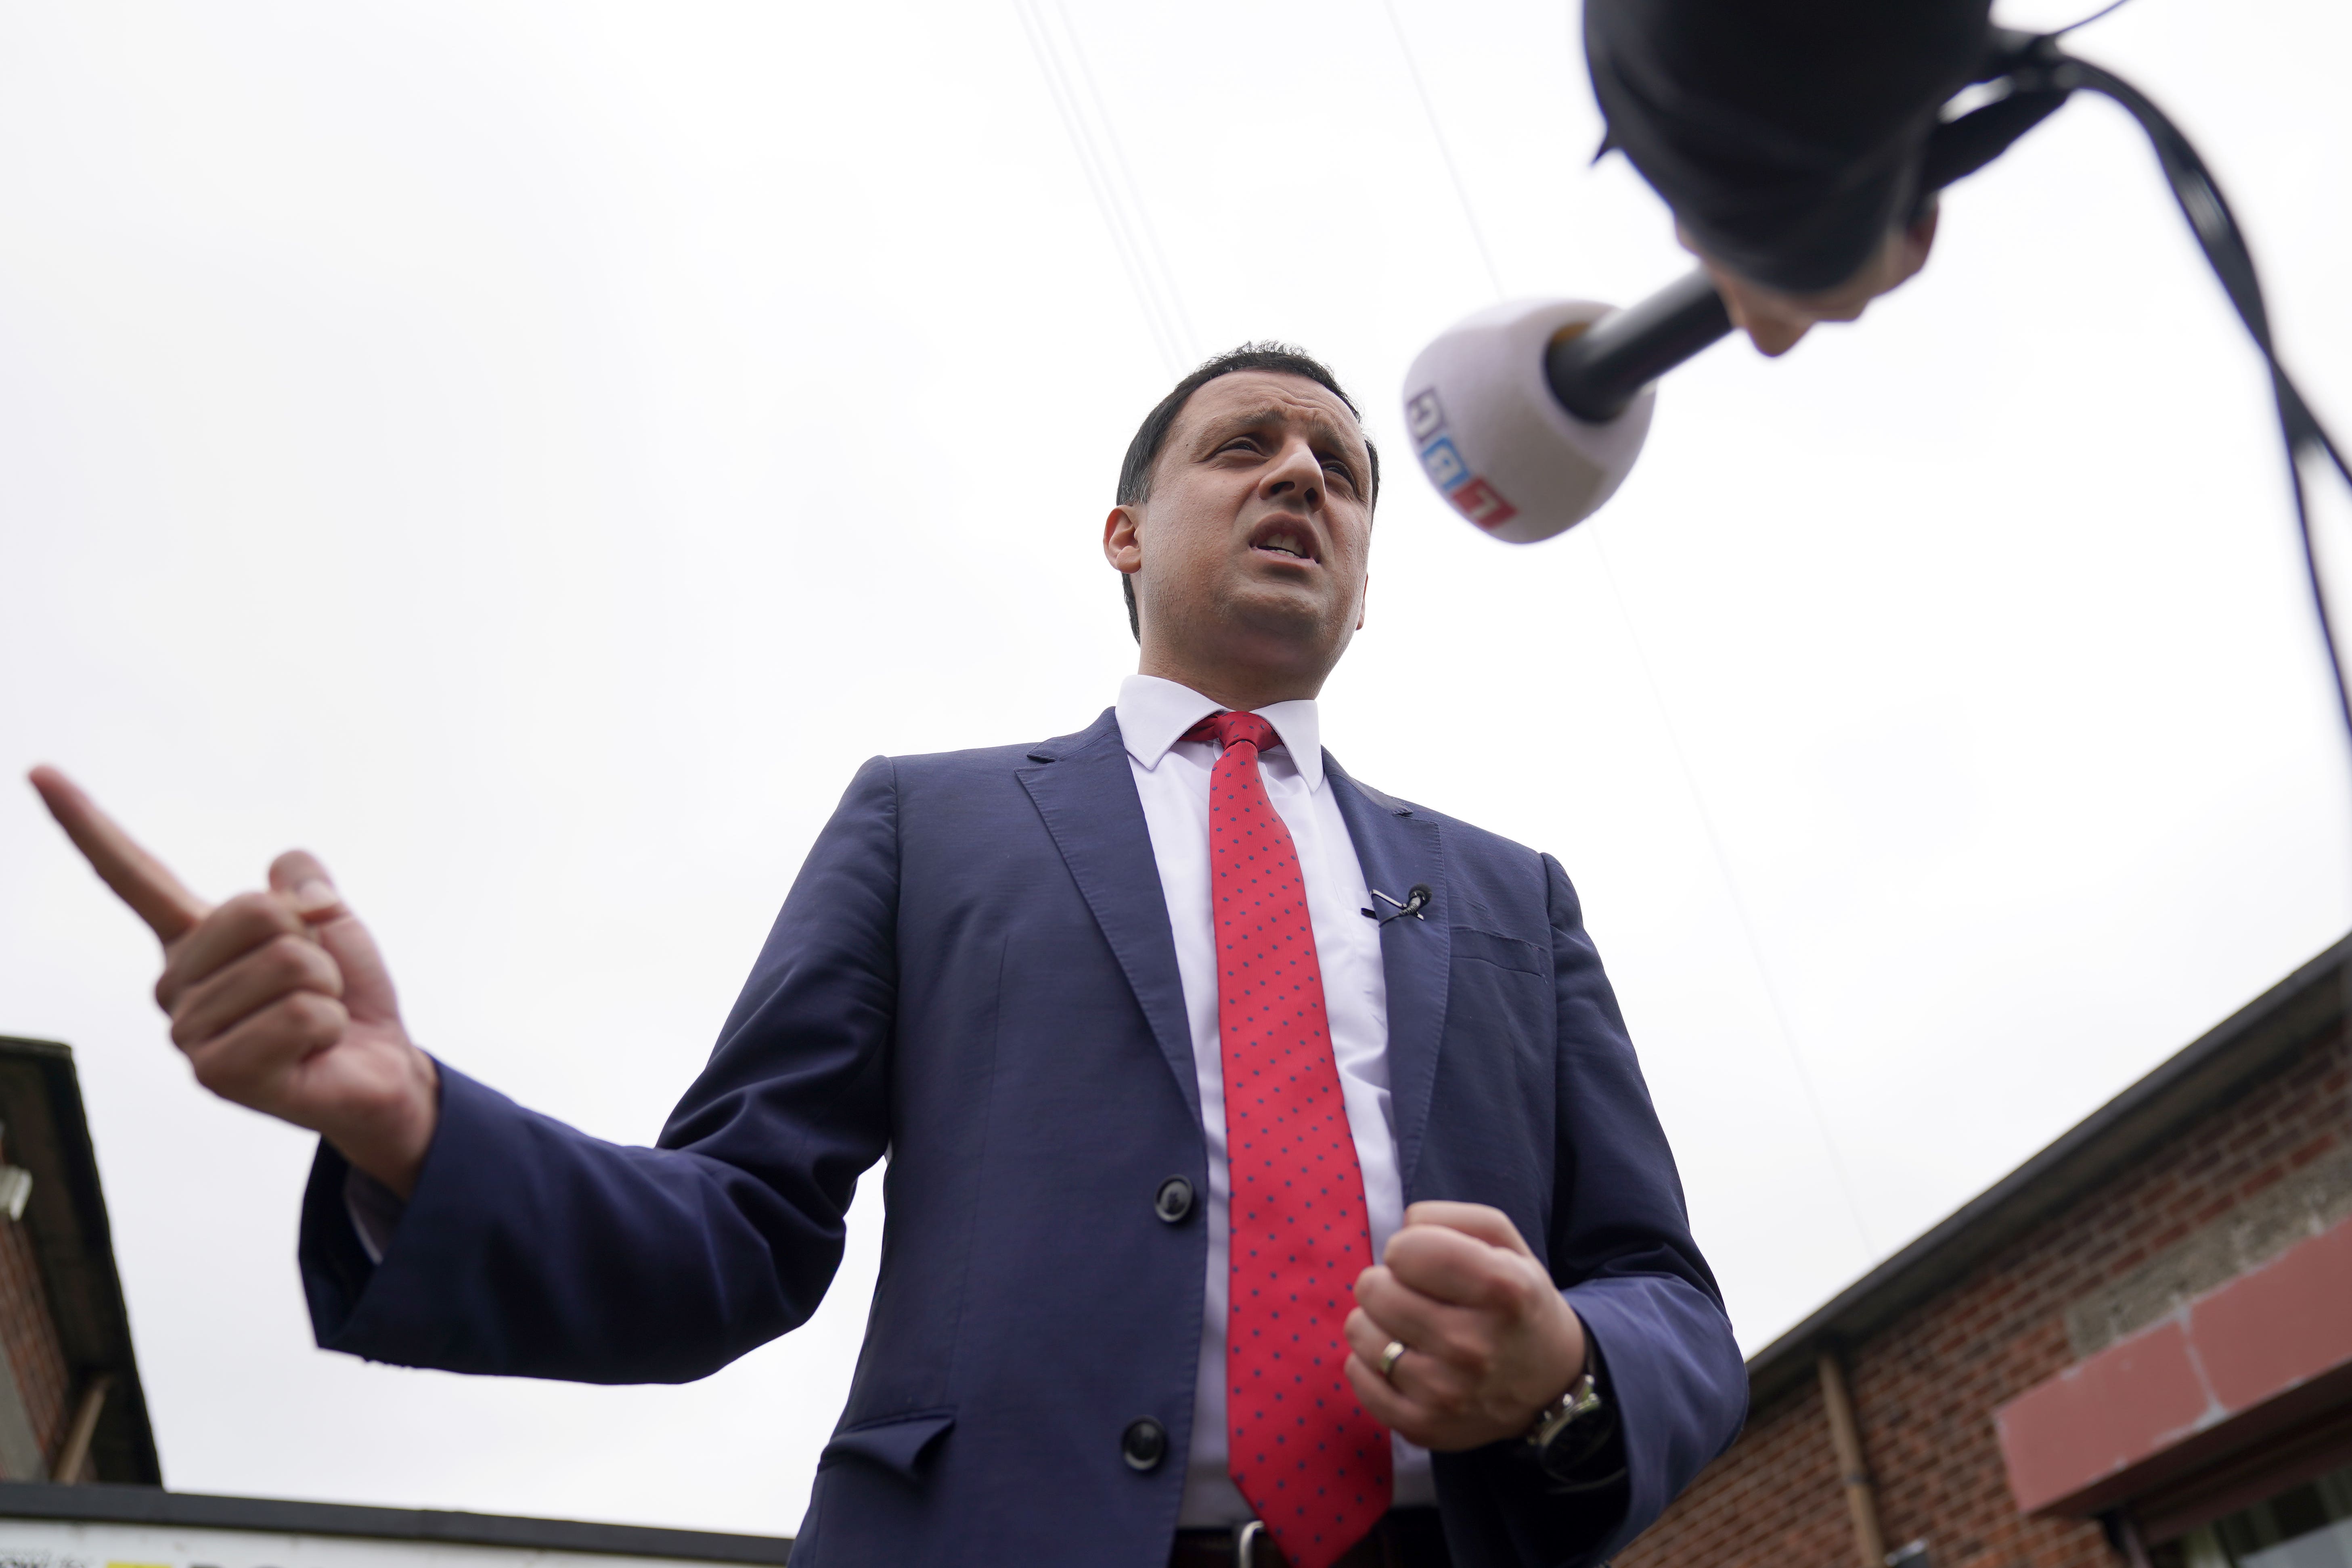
x,y
1230,729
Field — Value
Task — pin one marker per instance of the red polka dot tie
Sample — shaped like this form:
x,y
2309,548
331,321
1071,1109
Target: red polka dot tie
x,y
1299,1446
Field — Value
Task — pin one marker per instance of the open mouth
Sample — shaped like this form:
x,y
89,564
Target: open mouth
x,y
1286,541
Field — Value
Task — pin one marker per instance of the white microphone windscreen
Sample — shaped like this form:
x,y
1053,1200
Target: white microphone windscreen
x,y
1492,438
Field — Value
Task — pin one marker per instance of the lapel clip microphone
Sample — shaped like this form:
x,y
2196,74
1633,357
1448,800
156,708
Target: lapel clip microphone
x,y
1416,898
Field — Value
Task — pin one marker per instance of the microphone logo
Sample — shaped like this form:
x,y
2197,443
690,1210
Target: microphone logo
x,y
1442,461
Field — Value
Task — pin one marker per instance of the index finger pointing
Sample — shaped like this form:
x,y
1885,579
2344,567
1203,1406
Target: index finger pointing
x,y
139,880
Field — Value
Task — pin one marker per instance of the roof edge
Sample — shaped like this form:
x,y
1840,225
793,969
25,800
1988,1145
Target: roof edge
x,y
93,1241
152,1505
2279,1021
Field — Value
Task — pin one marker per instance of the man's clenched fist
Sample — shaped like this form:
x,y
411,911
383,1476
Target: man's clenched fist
x,y
280,998
1489,1339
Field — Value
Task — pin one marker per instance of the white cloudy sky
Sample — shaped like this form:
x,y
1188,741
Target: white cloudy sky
x,y
530,453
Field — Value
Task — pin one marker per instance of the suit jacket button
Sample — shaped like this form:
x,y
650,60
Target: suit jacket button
x,y
1143,1445
1175,1200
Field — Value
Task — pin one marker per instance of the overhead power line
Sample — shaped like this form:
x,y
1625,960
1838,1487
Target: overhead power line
x,y
1444,148
1057,46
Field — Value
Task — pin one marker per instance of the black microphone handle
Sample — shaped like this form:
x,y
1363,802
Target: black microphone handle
x,y
1597,373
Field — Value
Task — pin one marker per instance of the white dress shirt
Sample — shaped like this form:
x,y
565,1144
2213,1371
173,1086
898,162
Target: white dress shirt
x,y
1172,774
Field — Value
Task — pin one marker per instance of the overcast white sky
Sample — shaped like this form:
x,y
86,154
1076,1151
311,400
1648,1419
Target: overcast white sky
x,y
530,453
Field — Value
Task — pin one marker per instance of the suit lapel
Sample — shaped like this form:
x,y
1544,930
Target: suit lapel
x,y
1398,848
1085,792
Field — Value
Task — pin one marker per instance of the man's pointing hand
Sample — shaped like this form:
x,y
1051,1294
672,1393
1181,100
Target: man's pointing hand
x,y
279,999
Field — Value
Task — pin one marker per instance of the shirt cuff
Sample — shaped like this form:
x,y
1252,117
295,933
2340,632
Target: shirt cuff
x,y
375,1211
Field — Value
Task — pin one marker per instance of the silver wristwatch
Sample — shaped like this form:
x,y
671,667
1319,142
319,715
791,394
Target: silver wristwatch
x,y
1582,1398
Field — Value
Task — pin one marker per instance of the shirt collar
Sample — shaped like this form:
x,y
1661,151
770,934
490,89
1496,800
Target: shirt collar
x,y
1153,715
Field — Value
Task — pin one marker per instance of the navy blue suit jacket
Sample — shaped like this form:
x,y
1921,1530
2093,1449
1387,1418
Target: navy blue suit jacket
x,y
974,975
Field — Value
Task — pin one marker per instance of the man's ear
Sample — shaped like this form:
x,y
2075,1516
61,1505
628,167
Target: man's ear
x,y
1122,545
1363,606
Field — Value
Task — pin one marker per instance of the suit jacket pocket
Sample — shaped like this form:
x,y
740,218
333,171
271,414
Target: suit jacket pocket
x,y
1502,952
896,1443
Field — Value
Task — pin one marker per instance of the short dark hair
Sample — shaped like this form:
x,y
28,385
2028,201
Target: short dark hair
x,y
1283,359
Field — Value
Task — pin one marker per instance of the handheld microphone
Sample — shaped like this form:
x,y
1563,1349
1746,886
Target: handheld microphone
x,y
1528,414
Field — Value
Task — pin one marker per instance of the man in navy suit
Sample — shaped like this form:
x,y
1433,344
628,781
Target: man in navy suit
x,y
1270,1178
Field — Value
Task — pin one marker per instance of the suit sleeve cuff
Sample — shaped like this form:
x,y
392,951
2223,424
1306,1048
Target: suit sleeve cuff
x,y
350,1224
375,1210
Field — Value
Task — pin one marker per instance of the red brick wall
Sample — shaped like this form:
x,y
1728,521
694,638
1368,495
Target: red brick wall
x,y
29,1335
1925,1386
1774,1498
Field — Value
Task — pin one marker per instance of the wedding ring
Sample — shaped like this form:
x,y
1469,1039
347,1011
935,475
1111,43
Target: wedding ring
x,y
1388,1358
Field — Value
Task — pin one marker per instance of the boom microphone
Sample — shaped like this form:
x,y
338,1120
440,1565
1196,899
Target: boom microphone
x,y
1528,414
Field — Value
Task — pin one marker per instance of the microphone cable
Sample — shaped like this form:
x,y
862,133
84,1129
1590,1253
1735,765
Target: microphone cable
x,y
2037,71
2224,244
